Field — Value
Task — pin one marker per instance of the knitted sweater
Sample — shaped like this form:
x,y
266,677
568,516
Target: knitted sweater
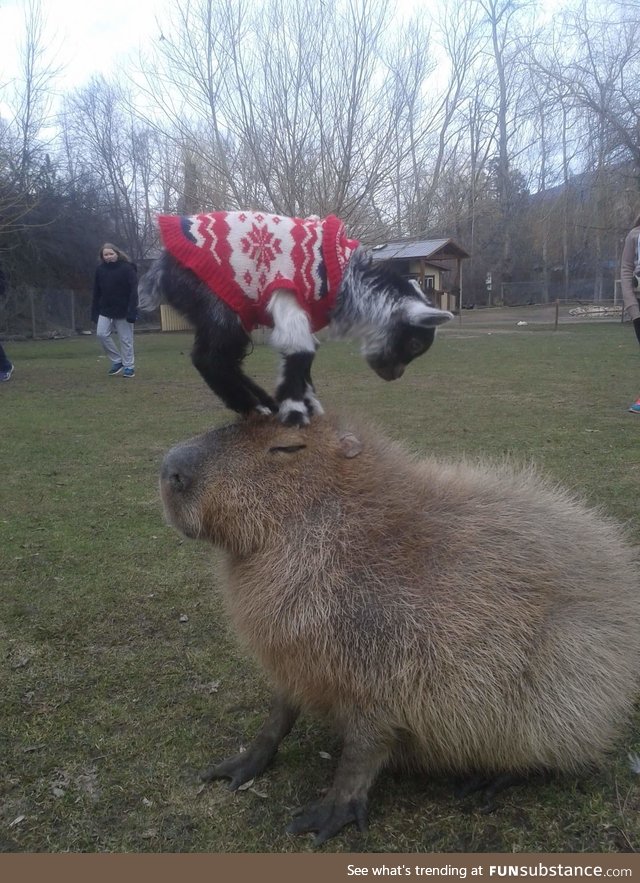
x,y
245,256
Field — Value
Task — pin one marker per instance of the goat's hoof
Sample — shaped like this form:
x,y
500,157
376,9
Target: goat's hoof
x,y
314,408
293,413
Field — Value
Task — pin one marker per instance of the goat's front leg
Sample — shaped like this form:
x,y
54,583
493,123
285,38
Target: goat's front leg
x,y
296,397
218,357
292,336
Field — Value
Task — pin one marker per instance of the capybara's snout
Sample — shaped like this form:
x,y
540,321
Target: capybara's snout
x,y
180,468
180,483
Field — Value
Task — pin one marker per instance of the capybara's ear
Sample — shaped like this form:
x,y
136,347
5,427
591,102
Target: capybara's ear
x,y
349,445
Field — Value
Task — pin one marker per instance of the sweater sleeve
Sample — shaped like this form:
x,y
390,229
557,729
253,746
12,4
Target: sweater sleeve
x,y
95,301
627,267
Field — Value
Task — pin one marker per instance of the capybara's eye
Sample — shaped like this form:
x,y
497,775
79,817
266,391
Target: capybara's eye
x,y
286,449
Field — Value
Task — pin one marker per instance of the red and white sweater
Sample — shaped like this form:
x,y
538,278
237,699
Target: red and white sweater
x,y
245,256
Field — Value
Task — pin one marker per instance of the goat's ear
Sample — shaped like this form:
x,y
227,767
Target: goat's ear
x,y
350,445
428,317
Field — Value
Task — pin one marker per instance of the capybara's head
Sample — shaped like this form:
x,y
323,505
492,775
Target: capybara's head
x,y
234,485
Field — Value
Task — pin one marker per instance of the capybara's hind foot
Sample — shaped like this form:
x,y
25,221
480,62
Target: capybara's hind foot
x,y
328,816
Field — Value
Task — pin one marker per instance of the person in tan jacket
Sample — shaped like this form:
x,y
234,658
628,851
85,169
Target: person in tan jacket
x,y
629,272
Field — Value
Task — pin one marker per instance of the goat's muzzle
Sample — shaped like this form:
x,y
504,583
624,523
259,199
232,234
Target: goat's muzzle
x,y
388,371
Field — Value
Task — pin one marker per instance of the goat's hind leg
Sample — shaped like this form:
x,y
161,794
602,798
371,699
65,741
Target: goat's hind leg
x,y
220,343
218,357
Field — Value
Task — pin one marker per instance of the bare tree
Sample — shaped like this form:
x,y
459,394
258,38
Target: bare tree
x,y
311,128
113,148
23,147
595,69
436,144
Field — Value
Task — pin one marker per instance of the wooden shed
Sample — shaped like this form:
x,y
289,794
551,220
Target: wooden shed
x,y
172,320
436,264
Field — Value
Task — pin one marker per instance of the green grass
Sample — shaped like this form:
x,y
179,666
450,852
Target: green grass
x,y
111,704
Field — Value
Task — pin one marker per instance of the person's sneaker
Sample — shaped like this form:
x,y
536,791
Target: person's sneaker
x,y
115,368
129,372
6,375
635,407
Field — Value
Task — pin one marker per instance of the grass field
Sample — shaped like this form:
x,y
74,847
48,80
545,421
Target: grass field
x,y
120,679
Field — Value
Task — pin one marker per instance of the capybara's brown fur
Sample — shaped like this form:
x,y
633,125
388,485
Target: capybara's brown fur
x,y
459,617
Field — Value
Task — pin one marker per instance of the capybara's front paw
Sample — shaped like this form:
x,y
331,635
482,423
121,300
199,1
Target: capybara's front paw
x,y
240,768
328,816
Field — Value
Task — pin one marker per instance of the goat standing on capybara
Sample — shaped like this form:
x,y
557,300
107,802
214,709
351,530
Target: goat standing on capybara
x,y
448,616
231,272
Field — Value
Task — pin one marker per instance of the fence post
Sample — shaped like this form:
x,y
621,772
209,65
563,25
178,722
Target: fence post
x,y
73,311
555,327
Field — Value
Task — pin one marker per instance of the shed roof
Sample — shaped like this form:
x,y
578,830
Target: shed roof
x,y
428,249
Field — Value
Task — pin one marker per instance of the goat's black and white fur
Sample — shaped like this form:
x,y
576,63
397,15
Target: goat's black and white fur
x,y
389,313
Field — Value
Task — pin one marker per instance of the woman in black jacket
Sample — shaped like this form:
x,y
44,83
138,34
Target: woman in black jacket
x,y
115,306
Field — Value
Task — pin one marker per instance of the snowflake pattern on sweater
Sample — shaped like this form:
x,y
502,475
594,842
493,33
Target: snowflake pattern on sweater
x,y
245,256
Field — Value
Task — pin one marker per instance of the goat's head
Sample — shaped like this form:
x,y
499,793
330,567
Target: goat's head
x,y
408,332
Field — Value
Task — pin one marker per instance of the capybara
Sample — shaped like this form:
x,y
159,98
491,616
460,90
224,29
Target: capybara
x,y
458,617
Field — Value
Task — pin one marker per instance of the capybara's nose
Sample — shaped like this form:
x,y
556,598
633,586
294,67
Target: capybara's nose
x,y
180,467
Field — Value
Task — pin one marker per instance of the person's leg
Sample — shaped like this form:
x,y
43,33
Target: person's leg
x,y
5,363
6,368
125,333
104,334
635,407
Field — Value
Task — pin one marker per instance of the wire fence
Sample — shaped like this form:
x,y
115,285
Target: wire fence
x,y
560,312
49,312
521,293
61,312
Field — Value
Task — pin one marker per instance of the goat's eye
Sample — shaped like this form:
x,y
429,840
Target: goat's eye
x,y
286,449
416,346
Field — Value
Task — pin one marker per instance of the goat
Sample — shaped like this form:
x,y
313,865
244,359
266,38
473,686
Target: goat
x,y
461,617
230,272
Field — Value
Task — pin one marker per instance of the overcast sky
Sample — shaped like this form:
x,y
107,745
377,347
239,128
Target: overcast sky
x,y
88,38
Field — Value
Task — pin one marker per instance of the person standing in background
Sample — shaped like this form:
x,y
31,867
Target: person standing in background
x,y
6,367
114,307
629,279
